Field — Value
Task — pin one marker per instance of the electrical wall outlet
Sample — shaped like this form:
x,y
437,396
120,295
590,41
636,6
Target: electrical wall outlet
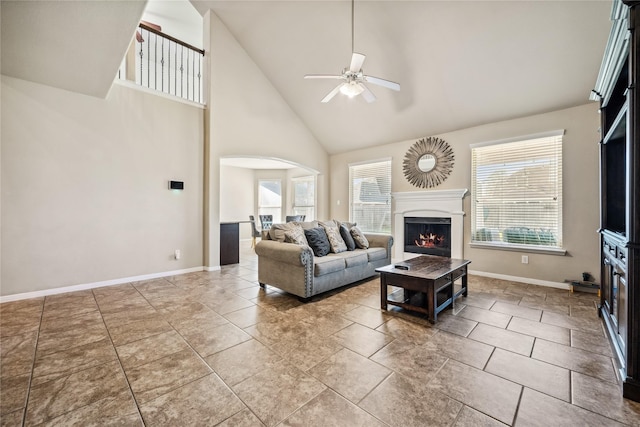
x,y
525,259
177,254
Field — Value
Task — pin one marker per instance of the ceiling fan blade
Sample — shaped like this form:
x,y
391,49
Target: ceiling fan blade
x,y
357,59
382,82
332,94
367,94
323,76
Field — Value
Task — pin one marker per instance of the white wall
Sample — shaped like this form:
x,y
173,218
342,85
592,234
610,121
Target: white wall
x,y
580,190
85,193
247,117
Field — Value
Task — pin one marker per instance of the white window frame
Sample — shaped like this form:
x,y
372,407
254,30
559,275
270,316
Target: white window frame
x,y
381,207
514,156
308,210
268,209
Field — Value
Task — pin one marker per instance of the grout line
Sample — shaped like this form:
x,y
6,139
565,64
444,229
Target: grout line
x,y
33,365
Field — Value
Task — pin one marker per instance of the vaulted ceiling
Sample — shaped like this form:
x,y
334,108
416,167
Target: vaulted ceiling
x,y
459,63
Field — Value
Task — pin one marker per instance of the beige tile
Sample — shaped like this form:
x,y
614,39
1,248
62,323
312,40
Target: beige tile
x,y
13,393
517,310
545,331
135,331
14,419
591,341
469,417
575,359
327,324
508,340
206,401
116,410
604,398
226,304
457,348
156,378
579,323
244,418
408,331
449,322
350,374
17,353
485,316
74,320
277,392
20,321
238,363
270,333
63,339
470,385
415,362
54,398
367,316
331,409
478,301
50,366
399,402
249,316
151,348
307,351
210,341
361,339
532,373
129,316
539,410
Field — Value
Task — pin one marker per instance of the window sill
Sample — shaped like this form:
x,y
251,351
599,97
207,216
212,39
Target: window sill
x,y
520,248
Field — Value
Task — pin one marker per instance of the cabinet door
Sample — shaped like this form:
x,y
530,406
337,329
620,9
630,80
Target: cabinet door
x,y
621,284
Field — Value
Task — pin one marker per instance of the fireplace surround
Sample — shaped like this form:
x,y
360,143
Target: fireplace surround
x,y
446,205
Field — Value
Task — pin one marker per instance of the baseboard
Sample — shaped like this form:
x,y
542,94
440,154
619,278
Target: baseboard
x,y
558,285
215,268
82,287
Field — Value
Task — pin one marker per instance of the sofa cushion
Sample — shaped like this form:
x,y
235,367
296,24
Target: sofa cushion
x,y
358,236
318,241
327,264
355,258
376,254
276,232
296,235
333,234
346,236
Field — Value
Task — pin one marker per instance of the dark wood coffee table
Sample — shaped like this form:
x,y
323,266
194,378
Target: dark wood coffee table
x,y
427,282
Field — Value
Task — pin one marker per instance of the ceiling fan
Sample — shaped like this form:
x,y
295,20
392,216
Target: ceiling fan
x,y
353,78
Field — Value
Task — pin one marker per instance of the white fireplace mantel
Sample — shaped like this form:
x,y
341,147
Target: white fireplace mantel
x,y
431,203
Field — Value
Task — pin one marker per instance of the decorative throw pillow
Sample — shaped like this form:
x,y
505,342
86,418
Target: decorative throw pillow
x,y
346,236
277,231
333,234
296,235
318,241
358,236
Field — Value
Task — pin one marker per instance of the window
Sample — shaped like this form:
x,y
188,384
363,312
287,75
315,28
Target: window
x,y
516,190
370,196
304,196
270,198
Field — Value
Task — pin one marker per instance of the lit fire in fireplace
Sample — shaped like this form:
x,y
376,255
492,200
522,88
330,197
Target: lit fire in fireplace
x,y
430,240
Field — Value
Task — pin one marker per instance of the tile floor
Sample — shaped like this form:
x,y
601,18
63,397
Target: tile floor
x,y
216,349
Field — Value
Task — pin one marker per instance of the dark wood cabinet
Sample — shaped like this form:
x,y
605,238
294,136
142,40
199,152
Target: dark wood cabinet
x,y
617,90
229,243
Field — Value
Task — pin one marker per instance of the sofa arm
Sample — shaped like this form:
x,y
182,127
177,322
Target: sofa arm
x,y
285,252
380,241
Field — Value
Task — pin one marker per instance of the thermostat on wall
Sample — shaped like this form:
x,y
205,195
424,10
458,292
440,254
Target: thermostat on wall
x,y
176,185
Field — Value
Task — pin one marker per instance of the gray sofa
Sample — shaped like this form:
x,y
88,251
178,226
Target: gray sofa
x,y
294,268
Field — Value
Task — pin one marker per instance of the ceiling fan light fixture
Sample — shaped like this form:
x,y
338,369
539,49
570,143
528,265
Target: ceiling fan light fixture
x,y
351,89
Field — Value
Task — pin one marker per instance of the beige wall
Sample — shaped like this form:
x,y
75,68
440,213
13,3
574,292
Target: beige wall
x,y
85,193
246,116
580,190
237,197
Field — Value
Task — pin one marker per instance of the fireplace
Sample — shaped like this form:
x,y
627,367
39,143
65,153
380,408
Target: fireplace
x,y
427,235
442,204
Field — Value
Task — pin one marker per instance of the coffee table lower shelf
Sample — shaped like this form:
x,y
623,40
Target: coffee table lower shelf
x,y
427,285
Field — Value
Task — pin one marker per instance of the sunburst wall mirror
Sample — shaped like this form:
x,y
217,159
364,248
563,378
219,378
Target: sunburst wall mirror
x,y
428,162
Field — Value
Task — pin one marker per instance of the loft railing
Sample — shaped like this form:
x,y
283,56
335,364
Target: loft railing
x,y
157,61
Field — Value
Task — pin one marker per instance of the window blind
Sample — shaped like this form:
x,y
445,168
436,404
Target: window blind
x,y
370,196
304,196
517,191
